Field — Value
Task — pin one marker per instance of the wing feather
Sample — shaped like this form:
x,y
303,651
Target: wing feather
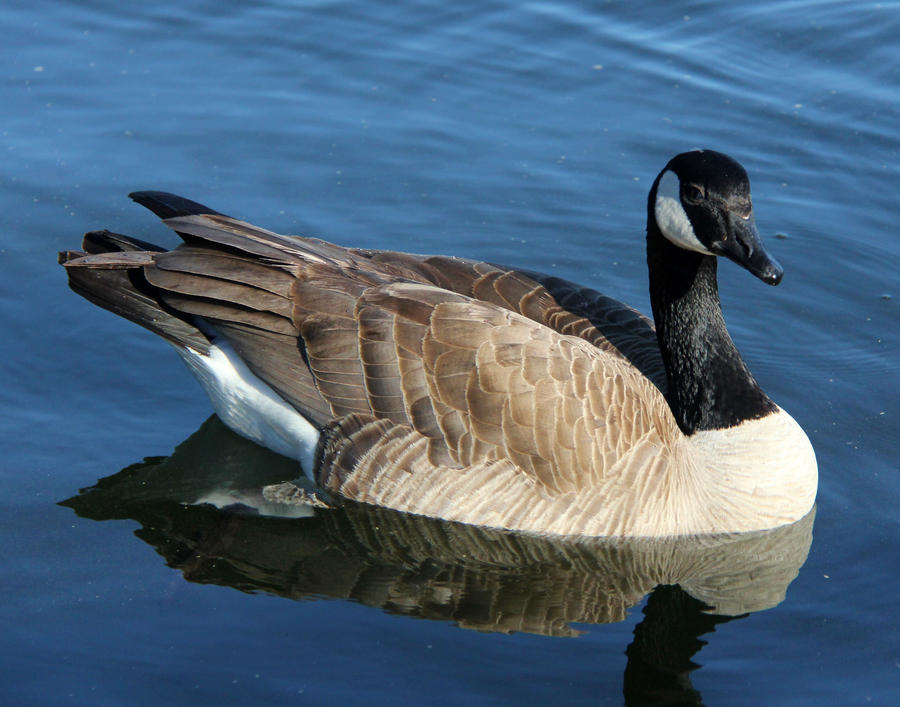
x,y
432,373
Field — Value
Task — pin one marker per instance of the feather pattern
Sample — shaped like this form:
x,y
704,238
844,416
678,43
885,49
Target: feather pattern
x,y
469,366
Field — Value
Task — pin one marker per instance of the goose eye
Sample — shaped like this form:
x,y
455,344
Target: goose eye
x,y
693,193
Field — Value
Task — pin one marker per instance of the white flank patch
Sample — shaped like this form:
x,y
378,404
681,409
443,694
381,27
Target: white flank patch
x,y
671,217
250,407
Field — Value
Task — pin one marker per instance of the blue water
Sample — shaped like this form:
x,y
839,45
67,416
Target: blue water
x,y
523,133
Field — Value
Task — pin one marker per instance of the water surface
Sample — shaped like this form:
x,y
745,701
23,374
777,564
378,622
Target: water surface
x,y
526,134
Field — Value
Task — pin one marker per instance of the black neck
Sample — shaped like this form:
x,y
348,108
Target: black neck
x,y
709,385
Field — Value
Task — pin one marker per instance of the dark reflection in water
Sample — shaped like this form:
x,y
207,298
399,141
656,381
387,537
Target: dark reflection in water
x,y
659,657
483,579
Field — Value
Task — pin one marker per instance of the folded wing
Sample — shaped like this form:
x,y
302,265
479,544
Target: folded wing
x,y
471,365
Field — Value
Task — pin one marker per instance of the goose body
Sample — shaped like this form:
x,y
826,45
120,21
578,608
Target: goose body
x,y
479,393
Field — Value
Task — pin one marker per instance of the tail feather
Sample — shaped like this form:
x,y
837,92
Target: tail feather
x,y
108,242
166,205
114,280
229,283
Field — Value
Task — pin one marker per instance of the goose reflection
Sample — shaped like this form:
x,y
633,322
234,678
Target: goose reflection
x,y
482,579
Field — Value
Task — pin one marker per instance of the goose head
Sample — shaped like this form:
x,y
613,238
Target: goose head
x,y
701,202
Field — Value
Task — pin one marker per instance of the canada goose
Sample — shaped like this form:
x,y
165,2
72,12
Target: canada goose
x,y
479,393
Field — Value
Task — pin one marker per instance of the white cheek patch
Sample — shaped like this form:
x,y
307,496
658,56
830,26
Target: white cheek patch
x,y
671,217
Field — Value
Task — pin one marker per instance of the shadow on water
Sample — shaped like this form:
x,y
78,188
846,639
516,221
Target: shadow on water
x,y
482,579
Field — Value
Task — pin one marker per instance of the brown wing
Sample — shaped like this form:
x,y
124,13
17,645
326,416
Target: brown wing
x,y
482,384
556,303
473,365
